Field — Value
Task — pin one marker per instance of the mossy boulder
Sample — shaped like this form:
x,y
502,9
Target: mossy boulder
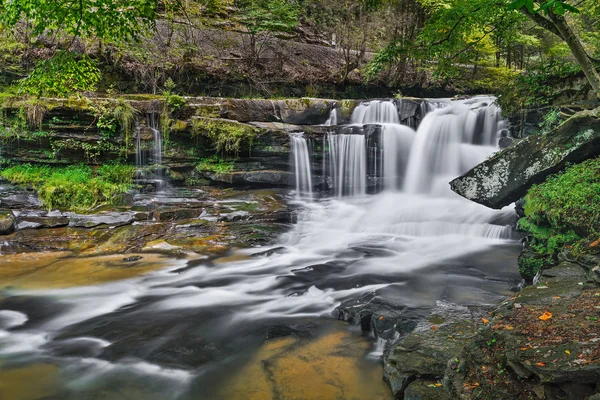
x,y
506,177
8,222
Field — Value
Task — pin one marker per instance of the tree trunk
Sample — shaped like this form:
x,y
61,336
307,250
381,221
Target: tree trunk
x,y
578,51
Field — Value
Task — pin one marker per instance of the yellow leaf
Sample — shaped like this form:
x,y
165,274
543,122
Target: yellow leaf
x,y
485,321
545,316
567,351
438,384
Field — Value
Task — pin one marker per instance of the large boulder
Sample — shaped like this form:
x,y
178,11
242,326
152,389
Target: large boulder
x,y
506,177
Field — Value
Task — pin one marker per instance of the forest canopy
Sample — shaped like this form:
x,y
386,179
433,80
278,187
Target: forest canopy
x,y
510,46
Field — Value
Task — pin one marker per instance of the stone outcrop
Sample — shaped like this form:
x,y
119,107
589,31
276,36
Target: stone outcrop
x,y
505,177
542,343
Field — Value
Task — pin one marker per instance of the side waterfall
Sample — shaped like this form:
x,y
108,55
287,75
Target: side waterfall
x,y
301,155
149,153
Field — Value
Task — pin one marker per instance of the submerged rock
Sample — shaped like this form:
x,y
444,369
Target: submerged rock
x,y
506,177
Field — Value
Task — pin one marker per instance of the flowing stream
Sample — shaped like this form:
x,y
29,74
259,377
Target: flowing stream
x,y
190,328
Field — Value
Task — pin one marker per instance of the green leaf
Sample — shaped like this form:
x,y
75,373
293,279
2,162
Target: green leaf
x,y
559,8
529,6
570,8
516,4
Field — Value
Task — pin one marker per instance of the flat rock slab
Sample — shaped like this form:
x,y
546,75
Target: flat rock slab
x,y
506,177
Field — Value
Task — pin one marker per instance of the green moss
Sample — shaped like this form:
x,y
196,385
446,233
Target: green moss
x,y
562,213
226,136
77,187
215,164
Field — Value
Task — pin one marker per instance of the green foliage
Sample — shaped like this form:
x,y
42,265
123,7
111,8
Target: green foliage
x,y
215,164
548,6
267,15
104,19
76,187
126,116
227,137
562,213
62,75
550,120
536,87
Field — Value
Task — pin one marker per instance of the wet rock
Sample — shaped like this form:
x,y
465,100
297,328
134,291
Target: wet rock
x,y
265,177
506,176
302,330
303,111
8,223
41,221
96,220
374,314
424,389
174,214
426,351
132,258
505,142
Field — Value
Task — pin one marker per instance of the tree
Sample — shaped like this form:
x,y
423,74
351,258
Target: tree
x,y
68,71
263,18
556,23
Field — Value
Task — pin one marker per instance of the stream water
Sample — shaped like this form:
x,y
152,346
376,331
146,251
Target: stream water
x,y
196,328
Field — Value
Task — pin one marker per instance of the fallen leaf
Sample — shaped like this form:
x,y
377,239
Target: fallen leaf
x,y
438,384
523,348
540,364
596,243
567,351
485,321
380,318
434,328
545,316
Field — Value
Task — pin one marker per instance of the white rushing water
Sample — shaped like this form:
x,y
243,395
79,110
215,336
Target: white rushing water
x,y
396,241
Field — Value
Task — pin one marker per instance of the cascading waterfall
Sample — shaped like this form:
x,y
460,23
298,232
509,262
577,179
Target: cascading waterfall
x,y
449,141
300,147
347,164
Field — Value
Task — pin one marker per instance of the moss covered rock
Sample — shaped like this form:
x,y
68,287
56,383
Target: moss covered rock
x,y
506,177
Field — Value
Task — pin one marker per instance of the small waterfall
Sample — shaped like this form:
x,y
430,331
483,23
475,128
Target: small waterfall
x,y
150,157
347,157
391,155
333,117
157,150
301,154
375,112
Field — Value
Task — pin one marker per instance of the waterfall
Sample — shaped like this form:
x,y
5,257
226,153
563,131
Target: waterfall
x,y
333,118
377,151
150,157
449,141
347,164
300,147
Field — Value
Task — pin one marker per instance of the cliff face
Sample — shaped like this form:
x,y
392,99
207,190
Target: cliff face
x,y
250,136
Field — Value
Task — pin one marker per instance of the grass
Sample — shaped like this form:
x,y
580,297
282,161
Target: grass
x,y
74,188
563,213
